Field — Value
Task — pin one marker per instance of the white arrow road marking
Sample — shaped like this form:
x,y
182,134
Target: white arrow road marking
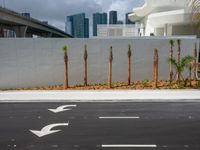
x,y
128,146
62,108
47,129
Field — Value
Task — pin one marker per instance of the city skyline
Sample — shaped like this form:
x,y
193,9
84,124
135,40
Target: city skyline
x,y
71,24
66,8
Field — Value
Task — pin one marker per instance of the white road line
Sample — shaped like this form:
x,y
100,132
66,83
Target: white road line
x,y
120,117
128,146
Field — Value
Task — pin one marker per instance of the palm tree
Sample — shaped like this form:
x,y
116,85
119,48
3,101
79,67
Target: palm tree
x,y
129,64
185,62
110,69
171,42
85,65
195,63
178,57
155,68
66,67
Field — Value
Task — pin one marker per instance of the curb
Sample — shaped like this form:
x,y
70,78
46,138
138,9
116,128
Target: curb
x,y
101,96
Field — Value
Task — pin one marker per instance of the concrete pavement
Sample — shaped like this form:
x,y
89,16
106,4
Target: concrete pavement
x,y
102,96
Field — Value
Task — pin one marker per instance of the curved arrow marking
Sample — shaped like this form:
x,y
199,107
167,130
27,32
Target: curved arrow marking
x,y
62,108
47,129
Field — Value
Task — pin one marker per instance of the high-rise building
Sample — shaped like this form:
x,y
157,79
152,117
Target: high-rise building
x,y
98,18
68,25
86,28
77,25
120,22
104,18
113,17
128,21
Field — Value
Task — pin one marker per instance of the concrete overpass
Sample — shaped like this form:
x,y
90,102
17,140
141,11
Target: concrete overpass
x,y
27,26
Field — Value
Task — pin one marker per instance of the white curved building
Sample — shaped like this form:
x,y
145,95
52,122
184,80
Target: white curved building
x,y
164,18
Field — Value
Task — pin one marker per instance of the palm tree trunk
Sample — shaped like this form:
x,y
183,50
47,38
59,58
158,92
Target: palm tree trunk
x,y
129,66
195,64
85,66
155,68
66,70
175,76
110,69
179,61
190,74
129,70
181,76
171,70
85,74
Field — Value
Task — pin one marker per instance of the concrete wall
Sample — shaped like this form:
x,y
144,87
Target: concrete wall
x,y
39,62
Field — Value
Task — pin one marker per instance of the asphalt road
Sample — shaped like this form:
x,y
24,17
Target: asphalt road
x,y
101,126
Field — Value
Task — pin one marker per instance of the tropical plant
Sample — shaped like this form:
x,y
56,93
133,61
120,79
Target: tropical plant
x,y
185,62
66,67
155,68
129,64
85,65
110,68
171,53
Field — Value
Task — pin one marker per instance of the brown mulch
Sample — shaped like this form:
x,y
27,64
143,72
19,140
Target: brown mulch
x,y
139,85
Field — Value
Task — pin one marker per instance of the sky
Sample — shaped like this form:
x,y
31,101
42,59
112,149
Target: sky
x,y
55,11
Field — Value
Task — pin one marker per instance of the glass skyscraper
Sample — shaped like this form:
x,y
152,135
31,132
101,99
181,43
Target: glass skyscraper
x,y
68,25
77,25
98,18
86,28
113,17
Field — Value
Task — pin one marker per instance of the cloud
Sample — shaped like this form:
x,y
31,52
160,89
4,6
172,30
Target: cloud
x,y
55,11
124,6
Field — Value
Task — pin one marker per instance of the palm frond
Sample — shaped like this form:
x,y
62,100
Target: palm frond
x,y
186,61
178,42
173,62
65,49
129,51
171,42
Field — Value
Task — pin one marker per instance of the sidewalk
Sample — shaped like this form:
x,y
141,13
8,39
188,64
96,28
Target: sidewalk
x,y
102,96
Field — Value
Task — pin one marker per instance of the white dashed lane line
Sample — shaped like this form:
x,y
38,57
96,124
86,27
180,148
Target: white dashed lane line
x,y
119,117
128,146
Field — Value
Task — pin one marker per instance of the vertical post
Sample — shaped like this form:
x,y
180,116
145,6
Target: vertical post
x,y
155,68
85,65
20,31
129,64
110,69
